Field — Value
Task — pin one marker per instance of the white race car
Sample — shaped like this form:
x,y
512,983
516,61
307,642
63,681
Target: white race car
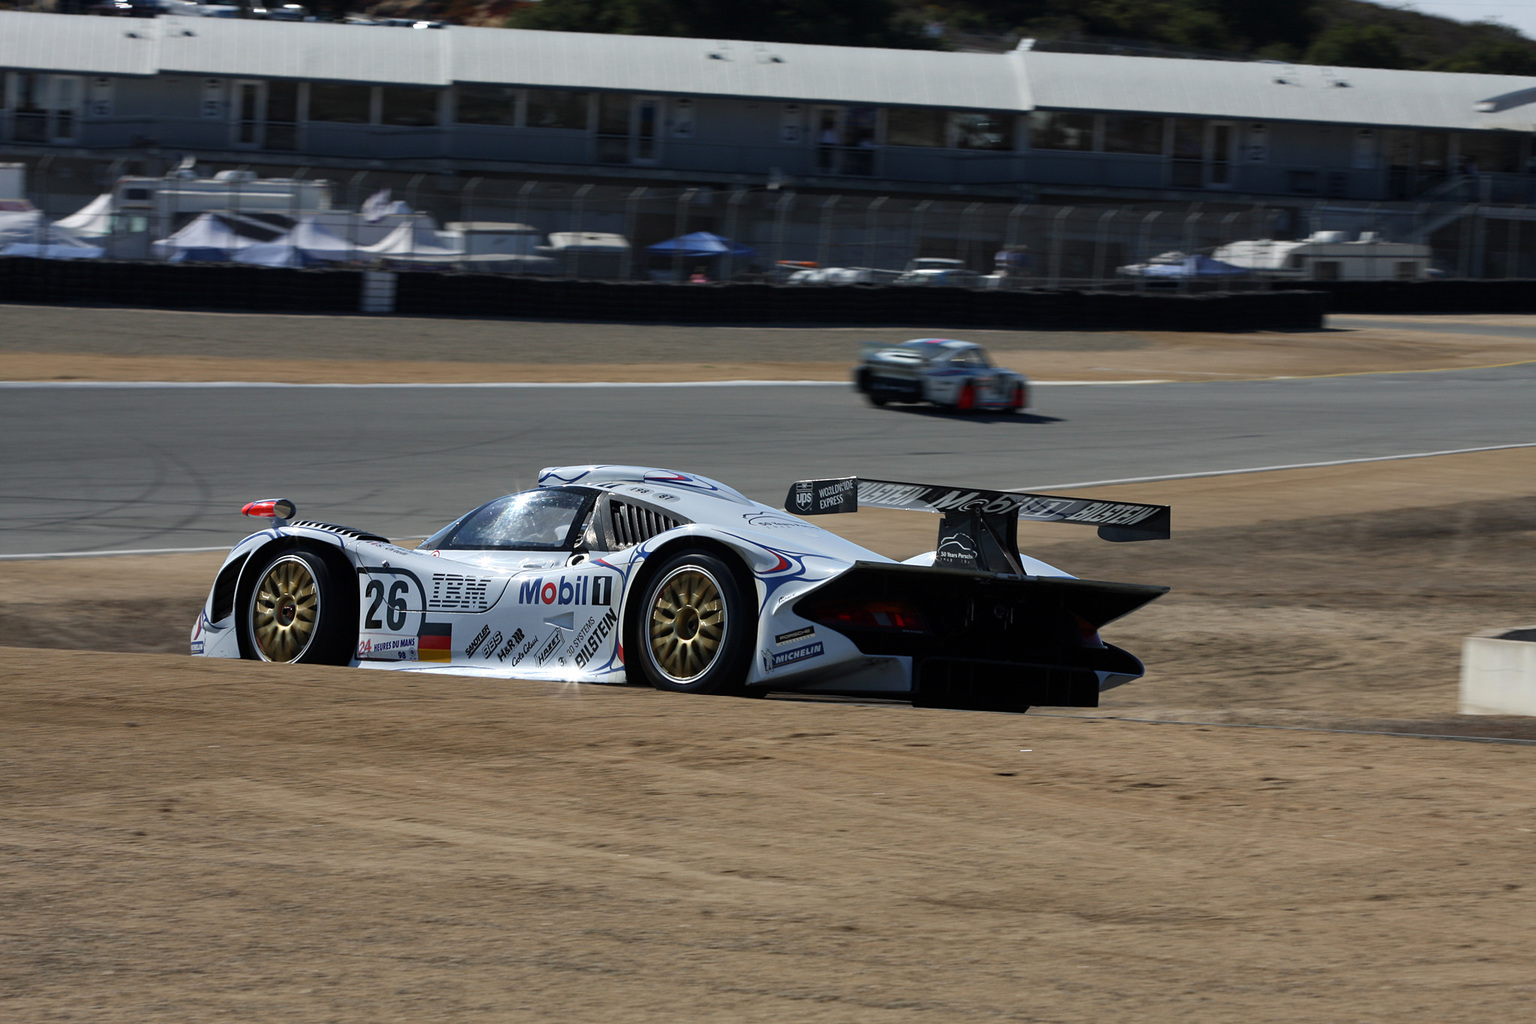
x,y
952,374
614,574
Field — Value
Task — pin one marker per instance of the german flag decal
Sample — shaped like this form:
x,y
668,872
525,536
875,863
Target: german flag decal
x,y
435,641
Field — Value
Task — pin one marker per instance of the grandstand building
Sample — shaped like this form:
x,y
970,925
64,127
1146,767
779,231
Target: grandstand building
x,y
137,95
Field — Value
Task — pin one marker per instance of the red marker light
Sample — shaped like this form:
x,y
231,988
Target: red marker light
x,y
890,615
270,508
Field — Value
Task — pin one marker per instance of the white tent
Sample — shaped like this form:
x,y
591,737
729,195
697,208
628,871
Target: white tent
x,y
415,240
28,233
53,251
21,226
269,254
206,239
93,220
308,243
318,242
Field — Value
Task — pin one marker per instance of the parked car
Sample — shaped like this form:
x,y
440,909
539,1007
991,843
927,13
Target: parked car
x,y
842,275
935,271
951,374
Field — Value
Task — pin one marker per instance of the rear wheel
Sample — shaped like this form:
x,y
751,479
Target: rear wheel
x,y
292,611
690,631
1016,401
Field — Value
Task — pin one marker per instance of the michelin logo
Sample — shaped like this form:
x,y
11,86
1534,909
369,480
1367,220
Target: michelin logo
x,y
776,660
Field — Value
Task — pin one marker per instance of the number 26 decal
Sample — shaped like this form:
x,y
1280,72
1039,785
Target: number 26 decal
x,y
390,603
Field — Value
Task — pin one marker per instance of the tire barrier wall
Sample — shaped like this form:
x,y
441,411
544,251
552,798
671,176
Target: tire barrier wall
x,y
855,305
261,289
179,286
1501,296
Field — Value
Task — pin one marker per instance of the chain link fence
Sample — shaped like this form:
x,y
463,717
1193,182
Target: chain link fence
x,y
622,232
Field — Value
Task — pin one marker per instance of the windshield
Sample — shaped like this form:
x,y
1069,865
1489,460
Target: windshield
x,y
549,519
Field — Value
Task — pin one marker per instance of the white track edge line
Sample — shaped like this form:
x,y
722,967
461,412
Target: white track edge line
x,y
113,554
1276,469
1029,487
492,385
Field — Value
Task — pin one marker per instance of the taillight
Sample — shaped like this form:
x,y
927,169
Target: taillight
x,y
1087,633
896,616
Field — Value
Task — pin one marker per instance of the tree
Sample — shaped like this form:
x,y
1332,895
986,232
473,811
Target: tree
x,y
1357,46
834,22
1502,58
1256,23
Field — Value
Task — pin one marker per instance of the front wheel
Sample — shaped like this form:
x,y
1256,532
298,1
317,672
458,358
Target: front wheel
x,y
293,611
690,633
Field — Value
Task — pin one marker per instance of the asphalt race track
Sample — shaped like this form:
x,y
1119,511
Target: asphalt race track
x,y
104,467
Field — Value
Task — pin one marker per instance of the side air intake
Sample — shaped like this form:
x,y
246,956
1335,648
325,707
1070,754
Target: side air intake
x,y
635,524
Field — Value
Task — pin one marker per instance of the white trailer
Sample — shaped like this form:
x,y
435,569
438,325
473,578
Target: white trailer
x,y
1330,256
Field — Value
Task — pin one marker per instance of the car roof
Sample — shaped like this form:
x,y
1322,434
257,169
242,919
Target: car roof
x,y
936,344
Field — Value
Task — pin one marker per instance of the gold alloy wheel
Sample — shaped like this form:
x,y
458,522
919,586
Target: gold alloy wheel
x,y
687,624
285,610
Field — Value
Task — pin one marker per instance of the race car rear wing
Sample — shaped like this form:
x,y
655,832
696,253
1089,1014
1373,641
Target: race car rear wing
x,y
980,529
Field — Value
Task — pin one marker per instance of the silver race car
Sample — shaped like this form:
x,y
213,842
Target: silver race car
x,y
615,574
951,374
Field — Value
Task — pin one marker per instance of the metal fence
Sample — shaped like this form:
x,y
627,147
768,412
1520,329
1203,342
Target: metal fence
x,y
776,232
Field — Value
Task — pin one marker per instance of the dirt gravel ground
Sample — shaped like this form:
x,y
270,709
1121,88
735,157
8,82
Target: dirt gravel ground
x,y
1247,833
62,343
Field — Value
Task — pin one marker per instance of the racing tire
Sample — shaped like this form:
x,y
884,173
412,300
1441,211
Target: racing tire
x,y
1016,402
293,611
878,398
691,630
967,400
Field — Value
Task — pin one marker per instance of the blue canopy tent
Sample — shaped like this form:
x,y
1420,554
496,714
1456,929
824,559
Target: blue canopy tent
x,y
700,244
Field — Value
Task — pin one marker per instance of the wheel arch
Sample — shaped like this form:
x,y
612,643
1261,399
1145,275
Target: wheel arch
x,y
335,559
730,555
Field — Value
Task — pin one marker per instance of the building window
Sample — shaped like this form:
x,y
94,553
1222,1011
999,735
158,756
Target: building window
x,y
1053,130
977,130
557,108
101,97
1140,135
340,104
282,115
915,126
1497,152
1434,152
845,140
46,107
485,104
791,124
412,108
682,118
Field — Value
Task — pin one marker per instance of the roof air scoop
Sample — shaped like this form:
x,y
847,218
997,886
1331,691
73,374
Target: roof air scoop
x,y
279,510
